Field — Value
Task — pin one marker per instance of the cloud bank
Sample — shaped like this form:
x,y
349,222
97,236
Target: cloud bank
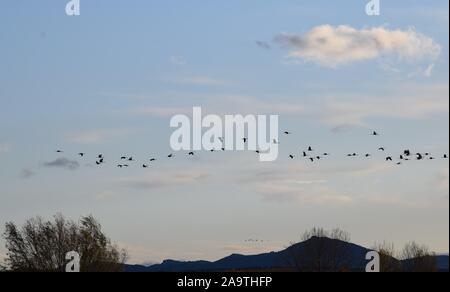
x,y
332,46
62,163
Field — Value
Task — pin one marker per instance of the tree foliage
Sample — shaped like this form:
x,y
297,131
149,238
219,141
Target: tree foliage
x,y
41,246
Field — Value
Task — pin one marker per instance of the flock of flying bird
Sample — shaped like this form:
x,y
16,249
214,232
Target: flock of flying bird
x,y
407,155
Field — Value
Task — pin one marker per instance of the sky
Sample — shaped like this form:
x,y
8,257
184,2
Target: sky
x,y
108,81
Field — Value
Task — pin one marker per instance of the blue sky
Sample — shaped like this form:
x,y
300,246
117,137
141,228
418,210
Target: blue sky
x,y
109,80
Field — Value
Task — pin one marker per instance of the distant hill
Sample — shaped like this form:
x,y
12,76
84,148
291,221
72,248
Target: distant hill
x,y
267,261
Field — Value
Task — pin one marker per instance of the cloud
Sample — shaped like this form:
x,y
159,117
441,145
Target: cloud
x,y
429,71
97,136
162,180
443,180
331,46
62,163
307,185
177,60
263,45
201,81
414,102
27,173
4,148
161,112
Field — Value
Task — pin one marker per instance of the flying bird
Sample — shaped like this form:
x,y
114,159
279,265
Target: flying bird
x,y
367,155
407,153
59,151
445,156
153,160
374,133
291,156
310,149
287,133
245,140
419,156
389,158
170,156
191,154
81,154
305,154
381,149
144,166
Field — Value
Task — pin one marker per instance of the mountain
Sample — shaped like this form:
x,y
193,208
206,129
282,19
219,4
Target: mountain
x,y
273,260
353,255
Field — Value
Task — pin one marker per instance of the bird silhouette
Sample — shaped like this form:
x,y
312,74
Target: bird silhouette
x,y
191,153
245,140
312,159
144,166
374,133
59,151
287,133
310,149
407,153
291,156
305,154
81,154
120,166
382,149
389,158
100,156
123,158
153,160
130,159
445,156
170,156
419,156
368,155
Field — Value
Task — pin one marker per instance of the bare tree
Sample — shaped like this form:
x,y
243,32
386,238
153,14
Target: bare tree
x,y
418,258
388,261
42,245
321,251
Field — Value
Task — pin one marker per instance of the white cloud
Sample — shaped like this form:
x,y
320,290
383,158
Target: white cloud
x,y
429,71
97,136
333,46
161,179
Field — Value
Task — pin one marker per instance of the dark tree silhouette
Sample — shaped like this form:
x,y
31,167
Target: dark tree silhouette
x,y
41,246
321,251
418,259
388,261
